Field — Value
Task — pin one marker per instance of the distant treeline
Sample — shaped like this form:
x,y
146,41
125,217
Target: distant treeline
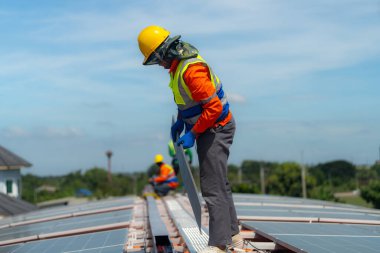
x,y
322,181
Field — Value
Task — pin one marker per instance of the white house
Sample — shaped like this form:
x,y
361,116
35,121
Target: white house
x,y
10,175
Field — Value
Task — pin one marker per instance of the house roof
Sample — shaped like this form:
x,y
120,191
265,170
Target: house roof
x,y
12,206
9,160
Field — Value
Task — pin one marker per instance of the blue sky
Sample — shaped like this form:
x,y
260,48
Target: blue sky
x,y
302,78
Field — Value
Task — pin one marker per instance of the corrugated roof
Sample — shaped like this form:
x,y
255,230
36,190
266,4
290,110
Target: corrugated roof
x,y
12,206
10,160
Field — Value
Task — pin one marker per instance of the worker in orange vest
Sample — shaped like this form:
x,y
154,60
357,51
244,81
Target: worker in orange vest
x,y
166,180
203,112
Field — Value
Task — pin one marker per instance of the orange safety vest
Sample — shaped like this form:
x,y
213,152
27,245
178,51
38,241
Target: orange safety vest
x,y
167,175
190,109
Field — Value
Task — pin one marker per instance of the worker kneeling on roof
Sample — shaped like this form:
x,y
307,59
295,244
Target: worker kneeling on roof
x,y
166,180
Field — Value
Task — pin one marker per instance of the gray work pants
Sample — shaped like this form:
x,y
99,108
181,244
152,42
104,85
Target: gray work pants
x,y
213,151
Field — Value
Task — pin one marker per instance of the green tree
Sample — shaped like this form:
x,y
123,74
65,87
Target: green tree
x,y
251,170
245,188
97,181
337,174
371,193
322,192
376,168
364,176
285,180
233,172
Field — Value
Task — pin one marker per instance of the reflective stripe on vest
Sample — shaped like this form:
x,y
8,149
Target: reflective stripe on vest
x,y
171,176
189,109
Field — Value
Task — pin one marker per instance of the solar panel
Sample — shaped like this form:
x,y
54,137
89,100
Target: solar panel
x,y
69,209
302,212
65,224
266,199
8,249
318,237
100,242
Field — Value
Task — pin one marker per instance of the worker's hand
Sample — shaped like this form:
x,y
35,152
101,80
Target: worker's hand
x,y
187,140
177,127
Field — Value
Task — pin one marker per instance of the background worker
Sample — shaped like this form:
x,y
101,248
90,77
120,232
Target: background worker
x,y
203,108
166,180
175,164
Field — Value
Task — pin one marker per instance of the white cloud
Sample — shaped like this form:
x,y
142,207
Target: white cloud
x,y
14,131
63,132
236,98
312,129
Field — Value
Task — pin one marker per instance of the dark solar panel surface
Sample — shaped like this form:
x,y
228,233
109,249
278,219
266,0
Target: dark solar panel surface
x,y
263,205
9,249
318,237
65,224
101,242
265,199
302,212
69,209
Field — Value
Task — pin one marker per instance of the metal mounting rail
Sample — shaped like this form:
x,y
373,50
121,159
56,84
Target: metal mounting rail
x,y
196,238
188,182
160,235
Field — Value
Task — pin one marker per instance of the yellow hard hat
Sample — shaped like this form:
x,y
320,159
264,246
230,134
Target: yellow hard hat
x,y
158,158
150,38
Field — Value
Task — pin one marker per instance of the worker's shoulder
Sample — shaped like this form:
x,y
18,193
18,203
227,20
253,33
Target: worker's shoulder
x,y
167,166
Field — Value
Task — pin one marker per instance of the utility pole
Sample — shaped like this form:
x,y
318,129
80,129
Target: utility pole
x,y
135,184
262,179
239,175
109,155
303,175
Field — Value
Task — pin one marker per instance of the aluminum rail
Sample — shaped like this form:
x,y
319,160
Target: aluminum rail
x,y
160,235
194,238
188,181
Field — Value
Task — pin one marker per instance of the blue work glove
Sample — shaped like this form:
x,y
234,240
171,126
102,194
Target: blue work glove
x,y
177,127
187,140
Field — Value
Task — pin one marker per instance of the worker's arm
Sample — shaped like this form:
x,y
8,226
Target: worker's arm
x,y
171,149
197,79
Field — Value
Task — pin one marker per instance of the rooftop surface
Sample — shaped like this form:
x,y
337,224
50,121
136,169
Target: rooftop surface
x,y
13,206
268,224
9,160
